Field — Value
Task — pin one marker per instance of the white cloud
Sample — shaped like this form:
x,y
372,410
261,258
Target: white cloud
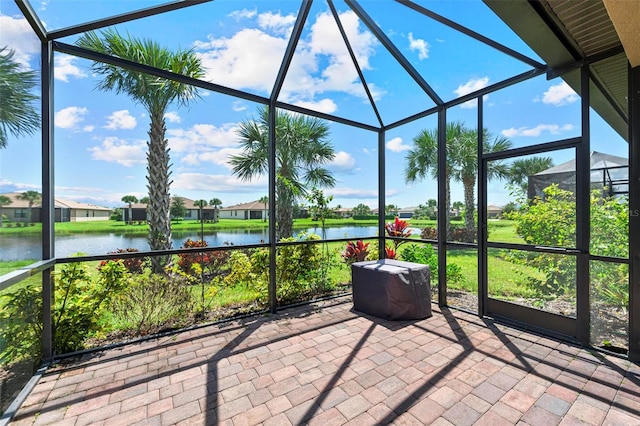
x,y
420,46
469,87
342,162
203,137
243,14
88,128
18,36
172,117
115,150
64,68
68,118
121,120
324,105
559,95
219,157
276,22
238,106
396,145
231,61
553,129
345,192
217,183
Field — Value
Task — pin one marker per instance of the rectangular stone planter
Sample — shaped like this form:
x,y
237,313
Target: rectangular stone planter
x,y
391,289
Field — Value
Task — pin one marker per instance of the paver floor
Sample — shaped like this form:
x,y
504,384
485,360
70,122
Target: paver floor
x,y
328,365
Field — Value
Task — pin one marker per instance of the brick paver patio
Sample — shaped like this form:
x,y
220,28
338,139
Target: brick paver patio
x,y
327,365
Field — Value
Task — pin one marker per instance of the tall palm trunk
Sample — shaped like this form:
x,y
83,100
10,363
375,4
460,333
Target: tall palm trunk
x,y
284,215
158,186
469,183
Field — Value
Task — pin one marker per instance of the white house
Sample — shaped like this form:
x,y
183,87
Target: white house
x,y
251,210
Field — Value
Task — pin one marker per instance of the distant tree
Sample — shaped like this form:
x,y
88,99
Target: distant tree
x,y
32,197
130,199
392,210
319,205
178,209
144,200
18,115
458,205
302,150
510,207
200,204
361,210
264,200
4,201
215,203
155,94
520,170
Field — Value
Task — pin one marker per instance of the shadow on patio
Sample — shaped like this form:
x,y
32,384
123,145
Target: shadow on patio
x,y
326,364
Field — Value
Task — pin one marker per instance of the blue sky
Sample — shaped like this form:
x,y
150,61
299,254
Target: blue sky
x,y
100,136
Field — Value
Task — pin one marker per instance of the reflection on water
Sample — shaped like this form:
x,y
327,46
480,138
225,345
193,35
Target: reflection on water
x,y
20,247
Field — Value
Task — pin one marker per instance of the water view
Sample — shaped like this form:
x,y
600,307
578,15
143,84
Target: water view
x,y
20,247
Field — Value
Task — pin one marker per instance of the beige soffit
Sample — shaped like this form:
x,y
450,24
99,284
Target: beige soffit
x,y
625,15
563,32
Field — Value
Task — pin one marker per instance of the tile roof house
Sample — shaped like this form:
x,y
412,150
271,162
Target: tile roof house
x,y
65,210
139,211
251,210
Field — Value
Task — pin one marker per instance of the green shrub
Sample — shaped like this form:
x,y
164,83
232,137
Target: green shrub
x,y
21,319
551,221
153,301
427,255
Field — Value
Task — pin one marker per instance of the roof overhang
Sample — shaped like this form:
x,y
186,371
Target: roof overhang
x,y
568,34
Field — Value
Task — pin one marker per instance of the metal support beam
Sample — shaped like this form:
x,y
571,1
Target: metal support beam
x,y
483,291
442,207
273,300
354,60
32,18
634,214
122,18
381,193
394,51
583,216
48,200
305,7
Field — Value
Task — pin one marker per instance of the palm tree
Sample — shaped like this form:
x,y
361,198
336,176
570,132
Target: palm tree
x,y
463,151
462,162
4,201
301,150
264,200
18,116
155,94
215,203
130,199
422,161
144,200
520,170
32,197
200,204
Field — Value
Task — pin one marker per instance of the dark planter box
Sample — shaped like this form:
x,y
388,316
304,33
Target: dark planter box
x,y
391,289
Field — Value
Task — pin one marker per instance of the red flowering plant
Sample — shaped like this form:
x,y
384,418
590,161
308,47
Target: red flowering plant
x,y
135,265
398,228
390,252
211,262
355,252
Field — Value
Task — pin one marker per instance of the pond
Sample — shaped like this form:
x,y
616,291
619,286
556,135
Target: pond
x,y
21,247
